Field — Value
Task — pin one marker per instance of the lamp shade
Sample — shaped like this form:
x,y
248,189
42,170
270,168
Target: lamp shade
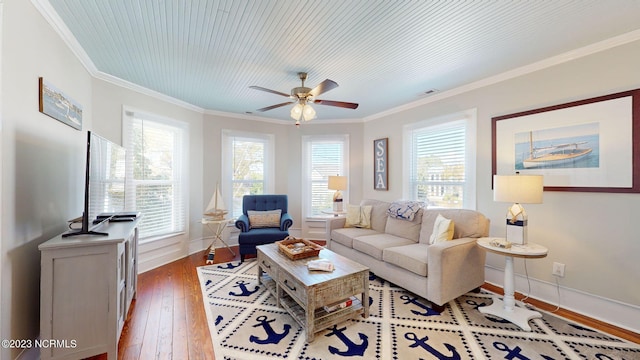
x,y
337,183
296,111
308,113
523,189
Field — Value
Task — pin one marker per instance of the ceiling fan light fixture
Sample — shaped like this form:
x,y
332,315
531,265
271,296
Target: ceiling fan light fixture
x,y
308,113
296,112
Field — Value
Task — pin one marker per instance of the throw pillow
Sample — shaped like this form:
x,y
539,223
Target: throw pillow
x,y
358,216
442,230
263,219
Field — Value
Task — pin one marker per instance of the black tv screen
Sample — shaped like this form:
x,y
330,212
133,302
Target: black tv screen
x,y
104,182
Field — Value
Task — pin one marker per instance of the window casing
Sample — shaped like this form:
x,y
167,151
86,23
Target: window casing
x,y
156,172
323,156
247,167
439,165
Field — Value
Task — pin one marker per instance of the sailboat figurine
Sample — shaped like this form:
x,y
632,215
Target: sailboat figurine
x,y
216,210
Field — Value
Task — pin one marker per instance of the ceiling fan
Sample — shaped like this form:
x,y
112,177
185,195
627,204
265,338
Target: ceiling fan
x,y
303,96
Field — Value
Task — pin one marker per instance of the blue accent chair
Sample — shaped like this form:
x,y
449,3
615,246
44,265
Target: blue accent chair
x,y
250,238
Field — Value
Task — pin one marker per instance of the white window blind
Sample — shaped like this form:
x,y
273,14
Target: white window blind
x,y
156,164
441,163
324,156
247,167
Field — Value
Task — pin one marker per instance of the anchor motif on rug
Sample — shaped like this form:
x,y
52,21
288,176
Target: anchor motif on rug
x,y
272,336
423,343
414,300
515,352
353,349
243,286
229,266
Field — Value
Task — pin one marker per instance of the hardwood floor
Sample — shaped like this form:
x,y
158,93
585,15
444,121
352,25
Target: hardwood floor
x,y
167,320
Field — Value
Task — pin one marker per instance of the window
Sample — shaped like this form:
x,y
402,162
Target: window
x,y
323,156
247,167
156,168
439,164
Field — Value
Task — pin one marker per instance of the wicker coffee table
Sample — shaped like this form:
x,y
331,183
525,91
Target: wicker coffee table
x,y
304,293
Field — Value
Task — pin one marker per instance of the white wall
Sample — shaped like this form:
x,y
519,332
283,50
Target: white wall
x,y
42,161
594,234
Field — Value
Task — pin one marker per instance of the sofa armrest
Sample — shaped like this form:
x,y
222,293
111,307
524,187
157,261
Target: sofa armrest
x,y
285,222
242,223
454,268
335,223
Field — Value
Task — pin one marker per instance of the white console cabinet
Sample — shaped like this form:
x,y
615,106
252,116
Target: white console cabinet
x,y
87,285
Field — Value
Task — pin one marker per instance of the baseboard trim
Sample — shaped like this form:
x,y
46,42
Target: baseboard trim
x,y
580,318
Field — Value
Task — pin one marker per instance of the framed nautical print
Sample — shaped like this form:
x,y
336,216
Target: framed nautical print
x,y
590,145
56,104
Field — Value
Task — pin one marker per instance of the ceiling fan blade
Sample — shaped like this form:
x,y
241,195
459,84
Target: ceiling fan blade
x,y
275,106
269,90
323,87
341,104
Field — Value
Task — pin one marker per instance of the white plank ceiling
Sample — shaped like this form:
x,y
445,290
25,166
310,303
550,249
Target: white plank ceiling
x,y
383,54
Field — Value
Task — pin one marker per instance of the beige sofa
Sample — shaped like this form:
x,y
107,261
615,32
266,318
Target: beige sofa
x,y
398,251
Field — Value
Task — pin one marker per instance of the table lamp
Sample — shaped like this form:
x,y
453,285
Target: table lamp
x,y
517,189
337,183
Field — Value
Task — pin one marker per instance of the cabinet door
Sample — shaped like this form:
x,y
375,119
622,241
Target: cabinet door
x,y
79,308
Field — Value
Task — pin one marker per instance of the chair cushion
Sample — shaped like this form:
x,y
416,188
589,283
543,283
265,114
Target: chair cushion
x,y
262,236
262,219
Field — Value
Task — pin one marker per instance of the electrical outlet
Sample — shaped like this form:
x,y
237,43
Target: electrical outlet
x,y
558,269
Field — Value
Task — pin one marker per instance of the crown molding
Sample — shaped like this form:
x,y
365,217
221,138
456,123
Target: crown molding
x,y
52,17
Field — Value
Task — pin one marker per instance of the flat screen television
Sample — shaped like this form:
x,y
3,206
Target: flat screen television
x,y
104,183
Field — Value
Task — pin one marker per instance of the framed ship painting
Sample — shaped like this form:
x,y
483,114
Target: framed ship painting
x,y
56,104
591,145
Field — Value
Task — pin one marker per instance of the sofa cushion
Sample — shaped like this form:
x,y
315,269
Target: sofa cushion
x,y
263,219
358,216
468,223
345,236
404,228
373,245
410,257
378,213
442,230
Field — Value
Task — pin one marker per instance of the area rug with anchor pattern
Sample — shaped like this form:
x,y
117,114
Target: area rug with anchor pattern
x,y
245,323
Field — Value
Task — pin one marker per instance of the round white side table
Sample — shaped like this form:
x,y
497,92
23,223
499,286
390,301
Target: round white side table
x,y
334,213
507,309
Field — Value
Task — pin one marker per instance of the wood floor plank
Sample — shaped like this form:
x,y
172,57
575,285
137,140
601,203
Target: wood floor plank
x,y
150,337
180,341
